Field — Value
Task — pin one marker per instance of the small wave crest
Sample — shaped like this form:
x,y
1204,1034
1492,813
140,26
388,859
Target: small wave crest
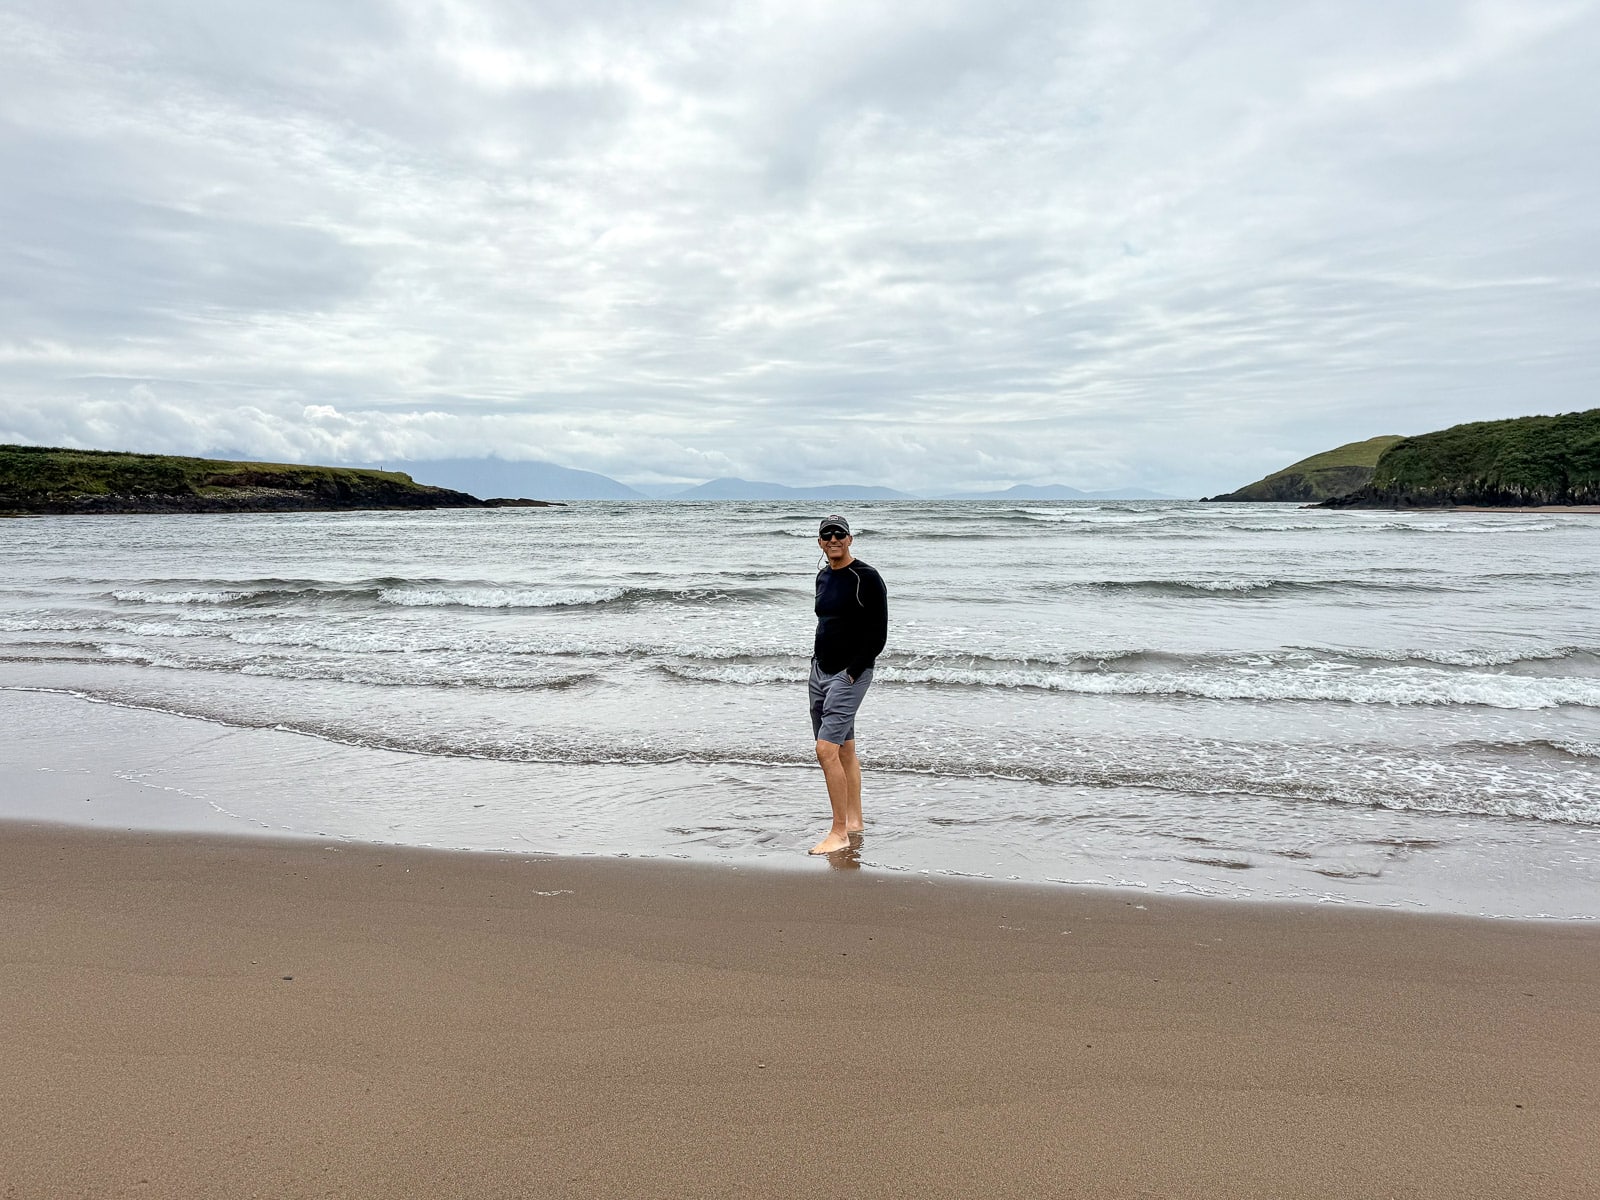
x,y
806,535
1458,529
1471,656
438,593
1576,748
1560,749
1211,589
499,597
420,671
1260,587
442,676
1245,678
186,596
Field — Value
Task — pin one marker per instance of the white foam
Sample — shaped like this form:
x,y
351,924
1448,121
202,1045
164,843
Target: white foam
x,y
136,654
745,673
1264,680
143,596
1315,682
1233,585
1465,657
217,616
410,675
160,629
1084,516
51,624
481,597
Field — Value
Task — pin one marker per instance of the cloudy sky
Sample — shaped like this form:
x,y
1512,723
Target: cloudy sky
x,y
943,244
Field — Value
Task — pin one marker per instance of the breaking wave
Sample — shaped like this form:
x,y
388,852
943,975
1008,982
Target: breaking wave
x,y
439,593
1403,686
147,596
1242,588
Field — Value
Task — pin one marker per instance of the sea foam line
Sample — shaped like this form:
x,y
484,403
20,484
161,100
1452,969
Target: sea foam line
x,y
499,597
1396,686
1217,779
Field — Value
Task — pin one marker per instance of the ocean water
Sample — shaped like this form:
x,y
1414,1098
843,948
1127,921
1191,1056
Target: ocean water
x,y
1256,701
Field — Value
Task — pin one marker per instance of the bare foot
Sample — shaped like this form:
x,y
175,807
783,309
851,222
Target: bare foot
x,y
858,827
830,844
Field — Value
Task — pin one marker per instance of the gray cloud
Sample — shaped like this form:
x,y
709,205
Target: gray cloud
x,y
976,245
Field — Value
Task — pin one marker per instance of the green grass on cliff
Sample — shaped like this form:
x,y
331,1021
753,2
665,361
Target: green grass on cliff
x,y
1541,456
1352,454
40,472
1334,472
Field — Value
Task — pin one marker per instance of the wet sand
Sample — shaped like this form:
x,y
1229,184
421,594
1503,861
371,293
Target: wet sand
x,y
189,1016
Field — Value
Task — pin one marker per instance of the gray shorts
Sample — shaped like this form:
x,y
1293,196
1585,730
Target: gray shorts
x,y
834,700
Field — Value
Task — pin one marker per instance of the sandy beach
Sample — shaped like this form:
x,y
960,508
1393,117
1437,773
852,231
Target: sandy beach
x,y
1532,508
190,1016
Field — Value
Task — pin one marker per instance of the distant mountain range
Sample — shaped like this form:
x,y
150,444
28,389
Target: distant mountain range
x,y
750,489
1055,491
494,477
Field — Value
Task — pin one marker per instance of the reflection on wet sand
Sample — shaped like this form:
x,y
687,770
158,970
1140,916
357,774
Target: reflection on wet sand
x,y
848,859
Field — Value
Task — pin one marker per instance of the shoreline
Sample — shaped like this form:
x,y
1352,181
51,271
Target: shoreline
x,y
184,1013
1459,508
790,869
104,764
202,508
1533,508
99,763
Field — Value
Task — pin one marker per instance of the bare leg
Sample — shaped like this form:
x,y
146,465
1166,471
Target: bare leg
x,y
852,774
838,798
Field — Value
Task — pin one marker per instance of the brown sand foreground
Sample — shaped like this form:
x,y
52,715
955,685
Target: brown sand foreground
x,y
191,1017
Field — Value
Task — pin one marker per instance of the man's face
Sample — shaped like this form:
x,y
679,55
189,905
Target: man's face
x,y
835,544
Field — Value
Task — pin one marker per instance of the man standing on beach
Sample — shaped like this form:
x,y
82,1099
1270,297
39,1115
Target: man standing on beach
x,y
852,626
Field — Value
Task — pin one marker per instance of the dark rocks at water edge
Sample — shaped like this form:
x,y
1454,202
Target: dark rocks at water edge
x,y
245,498
40,479
1519,463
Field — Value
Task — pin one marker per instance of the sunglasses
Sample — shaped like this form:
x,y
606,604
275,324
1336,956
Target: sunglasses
x,y
832,535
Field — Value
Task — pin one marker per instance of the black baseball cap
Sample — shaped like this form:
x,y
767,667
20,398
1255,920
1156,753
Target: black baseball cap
x,y
833,521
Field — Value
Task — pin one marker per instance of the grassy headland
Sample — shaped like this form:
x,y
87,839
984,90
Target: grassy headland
x,y
43,479
1524,461
1331,473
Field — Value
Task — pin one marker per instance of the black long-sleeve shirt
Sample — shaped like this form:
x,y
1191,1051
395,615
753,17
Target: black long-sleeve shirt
x,y
852,618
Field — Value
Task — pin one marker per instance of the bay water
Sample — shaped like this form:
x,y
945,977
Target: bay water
x,y
1252,701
